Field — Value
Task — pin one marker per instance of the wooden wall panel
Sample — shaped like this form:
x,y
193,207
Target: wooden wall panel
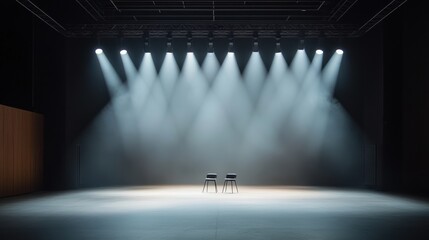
x,y
21,151
26,154
17,151
8,150
39,147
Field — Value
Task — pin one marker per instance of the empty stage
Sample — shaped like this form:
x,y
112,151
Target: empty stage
x,y
183,212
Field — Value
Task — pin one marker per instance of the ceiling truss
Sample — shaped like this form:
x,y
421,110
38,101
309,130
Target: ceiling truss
x,y
289,19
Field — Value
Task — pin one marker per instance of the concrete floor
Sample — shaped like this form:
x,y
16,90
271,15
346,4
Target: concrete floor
x,y
183,212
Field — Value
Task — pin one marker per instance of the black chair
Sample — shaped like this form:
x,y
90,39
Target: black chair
x,y
211,177
230,177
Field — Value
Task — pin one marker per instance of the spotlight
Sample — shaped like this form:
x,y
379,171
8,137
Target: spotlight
x,y
231,46
189,45
255,45
320,43
146,45
278,47
339,45
98,51
301,44
169,46
123,52
210,49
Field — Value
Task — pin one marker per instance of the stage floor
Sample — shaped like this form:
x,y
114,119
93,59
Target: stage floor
x,y
183,212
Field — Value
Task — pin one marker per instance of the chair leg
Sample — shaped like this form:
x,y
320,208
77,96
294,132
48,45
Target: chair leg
x,y
215,186
236,185
223,188
204,186
232,187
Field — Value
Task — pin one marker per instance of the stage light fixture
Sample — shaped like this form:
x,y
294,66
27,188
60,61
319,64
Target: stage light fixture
x,y
278,46
210,49
301,44
123,52
320,43
98,51
255,45
189,45
230,46
146,45
339,51
169,46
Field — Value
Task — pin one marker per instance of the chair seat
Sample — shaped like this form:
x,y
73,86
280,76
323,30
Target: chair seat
x,y
230,178
210,177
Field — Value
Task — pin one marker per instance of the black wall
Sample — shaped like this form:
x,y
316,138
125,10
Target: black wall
x,y
32,64
406,100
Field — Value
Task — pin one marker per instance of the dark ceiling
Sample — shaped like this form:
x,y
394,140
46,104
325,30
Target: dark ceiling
x,y
283,18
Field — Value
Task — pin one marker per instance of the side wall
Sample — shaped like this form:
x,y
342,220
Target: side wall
x,y
21,151
406,101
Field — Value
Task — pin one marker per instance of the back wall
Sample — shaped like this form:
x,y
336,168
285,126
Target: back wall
x,y
291,118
